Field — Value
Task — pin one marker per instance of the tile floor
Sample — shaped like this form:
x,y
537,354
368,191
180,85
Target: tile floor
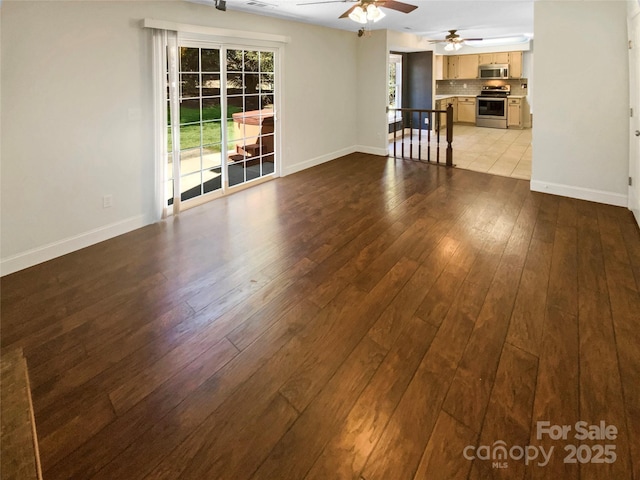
x,y
505,152
493,150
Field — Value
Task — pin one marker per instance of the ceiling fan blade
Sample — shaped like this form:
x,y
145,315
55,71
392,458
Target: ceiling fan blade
x,y
346,14
399,6
472,39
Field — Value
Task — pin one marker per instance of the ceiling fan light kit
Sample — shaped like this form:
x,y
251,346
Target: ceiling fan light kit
x,y
453,41
369,10
370,13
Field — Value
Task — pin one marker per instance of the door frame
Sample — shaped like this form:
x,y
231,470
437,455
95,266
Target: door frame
x,y
205,37
634,120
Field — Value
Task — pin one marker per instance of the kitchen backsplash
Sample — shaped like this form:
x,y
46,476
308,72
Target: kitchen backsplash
x,y
457,87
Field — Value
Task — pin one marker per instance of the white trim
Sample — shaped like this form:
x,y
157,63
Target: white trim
x,y
381,152
62,247
298,167
160,121
212,31
592,195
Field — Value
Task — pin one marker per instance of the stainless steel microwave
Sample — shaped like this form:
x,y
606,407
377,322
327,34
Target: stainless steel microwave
x,y
493,71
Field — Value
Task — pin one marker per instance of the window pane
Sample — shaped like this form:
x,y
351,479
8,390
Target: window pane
x,y
251,61
210,60
266,61
189,85
189,59
211,133
212,180
211,157
234,60
251,102
190,161
251,82
211,109
189,136
236,173
266,102
190,186
234,84
210,85
266,83
252,170
237,132
189,111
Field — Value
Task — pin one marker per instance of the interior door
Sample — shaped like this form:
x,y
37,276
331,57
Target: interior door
x,y
634,124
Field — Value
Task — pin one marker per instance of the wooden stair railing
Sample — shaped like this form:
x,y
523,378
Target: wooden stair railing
x,y
413,119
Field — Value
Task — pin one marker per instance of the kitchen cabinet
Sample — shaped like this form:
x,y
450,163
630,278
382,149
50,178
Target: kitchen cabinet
x,y
494,58
468,66
440,67
442,105
514,112
452,67
515,64
467,109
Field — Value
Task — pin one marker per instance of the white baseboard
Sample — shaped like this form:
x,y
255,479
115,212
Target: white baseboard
x,y
52,250
382,152
592,195
298,167
62,247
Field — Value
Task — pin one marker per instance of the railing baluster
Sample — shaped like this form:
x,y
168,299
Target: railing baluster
x,y
449,135
429,137
438,137
411,135
420,136
395,134
405,117
402,135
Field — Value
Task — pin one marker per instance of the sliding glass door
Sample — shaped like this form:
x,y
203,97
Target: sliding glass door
x,y
221,129
250,99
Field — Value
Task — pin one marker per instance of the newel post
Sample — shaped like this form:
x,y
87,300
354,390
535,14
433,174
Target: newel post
x,y
449,135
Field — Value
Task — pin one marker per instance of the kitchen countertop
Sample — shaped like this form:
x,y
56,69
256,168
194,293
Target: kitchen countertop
x,y
440,97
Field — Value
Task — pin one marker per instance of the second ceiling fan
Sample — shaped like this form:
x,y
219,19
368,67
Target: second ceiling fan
x,y
454,41
368,10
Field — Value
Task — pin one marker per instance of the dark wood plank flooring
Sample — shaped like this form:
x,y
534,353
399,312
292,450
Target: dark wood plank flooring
x,y
363,319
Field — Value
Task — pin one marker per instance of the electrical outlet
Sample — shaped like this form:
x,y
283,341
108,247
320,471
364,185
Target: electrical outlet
x,y
107,201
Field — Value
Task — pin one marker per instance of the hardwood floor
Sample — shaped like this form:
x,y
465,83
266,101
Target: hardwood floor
x,y
363,319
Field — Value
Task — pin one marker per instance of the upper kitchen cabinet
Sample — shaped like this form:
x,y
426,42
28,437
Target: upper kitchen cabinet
x,y
465,67
501,58
468,66
451,72
515,64
461,66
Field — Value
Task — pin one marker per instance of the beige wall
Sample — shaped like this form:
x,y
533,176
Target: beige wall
x,y
580,128
77,118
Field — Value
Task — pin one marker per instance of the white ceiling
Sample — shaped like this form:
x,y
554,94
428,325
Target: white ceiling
x,y
432,18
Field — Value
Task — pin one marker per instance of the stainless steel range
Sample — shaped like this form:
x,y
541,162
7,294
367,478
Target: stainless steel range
x,y
491,106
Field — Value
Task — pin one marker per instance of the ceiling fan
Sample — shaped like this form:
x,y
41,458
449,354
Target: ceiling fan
x,y
368,10
453,41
